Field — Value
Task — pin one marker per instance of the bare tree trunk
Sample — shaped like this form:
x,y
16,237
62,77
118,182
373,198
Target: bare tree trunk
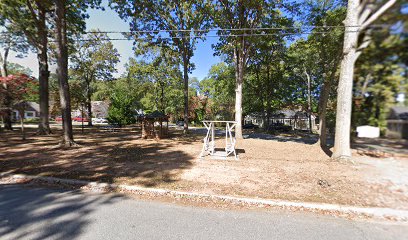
x,y
185,79
89,102
7,99
268,95
162,99
62,72
239,75
309,100
324,97
42,56
323,100
365,84
3,62
344,92
21,112
89,110
357,15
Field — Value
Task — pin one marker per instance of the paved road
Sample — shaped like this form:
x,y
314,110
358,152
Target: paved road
x,y
36,213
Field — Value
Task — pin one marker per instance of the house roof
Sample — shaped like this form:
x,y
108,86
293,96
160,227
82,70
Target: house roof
x,y
29,106
35,106
398,112
285,112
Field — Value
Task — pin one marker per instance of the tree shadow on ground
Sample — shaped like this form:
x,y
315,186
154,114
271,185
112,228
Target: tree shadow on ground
x,y
35,213
102,156
294,137
298,137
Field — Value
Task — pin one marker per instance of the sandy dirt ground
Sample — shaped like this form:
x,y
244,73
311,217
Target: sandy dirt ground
x,y
287,170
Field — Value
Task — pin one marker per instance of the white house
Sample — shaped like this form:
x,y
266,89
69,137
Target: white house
x,y
32,110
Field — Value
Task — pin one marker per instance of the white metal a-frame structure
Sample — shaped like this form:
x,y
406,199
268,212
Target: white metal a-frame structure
x,y
209,140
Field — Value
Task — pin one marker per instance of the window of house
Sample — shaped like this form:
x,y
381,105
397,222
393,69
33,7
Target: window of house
x,y
29,114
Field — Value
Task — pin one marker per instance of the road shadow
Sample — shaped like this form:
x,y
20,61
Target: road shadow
x,y
35,213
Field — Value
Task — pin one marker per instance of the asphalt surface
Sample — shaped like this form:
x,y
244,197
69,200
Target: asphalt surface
x,y
38,213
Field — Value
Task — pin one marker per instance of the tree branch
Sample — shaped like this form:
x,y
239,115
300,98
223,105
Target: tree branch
x,y
365,13
364,44
34,15
377,14
366,41
362,5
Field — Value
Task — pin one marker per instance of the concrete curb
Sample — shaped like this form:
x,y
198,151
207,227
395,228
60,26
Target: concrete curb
x,y
332,209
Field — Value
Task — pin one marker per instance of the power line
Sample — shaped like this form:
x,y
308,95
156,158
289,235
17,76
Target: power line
x,y
230,29
239,29
131,38
187,37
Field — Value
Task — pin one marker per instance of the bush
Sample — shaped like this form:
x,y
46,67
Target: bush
x,y
32,120
121,110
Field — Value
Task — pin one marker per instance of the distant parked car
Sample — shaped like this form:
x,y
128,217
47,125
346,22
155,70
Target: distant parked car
x,y
79,119
250,126
180,123
99,120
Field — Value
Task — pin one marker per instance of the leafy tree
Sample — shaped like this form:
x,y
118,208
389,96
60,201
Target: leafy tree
x,y
379,79
102,90
235,20
122,106
170,24
318,57
62,71
156,79
35,18
78,98
12,40
95,58
19,87
267,82
219,86
68,16
31,94
30,18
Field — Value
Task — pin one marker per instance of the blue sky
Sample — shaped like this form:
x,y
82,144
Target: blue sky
x,y
108,20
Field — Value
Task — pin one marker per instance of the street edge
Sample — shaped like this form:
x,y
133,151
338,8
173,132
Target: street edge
x,y
332,209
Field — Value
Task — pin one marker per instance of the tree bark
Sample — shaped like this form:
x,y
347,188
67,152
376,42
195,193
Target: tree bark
x,y
3,62
365,84
268,96
185,80
62,72
239,75
162,99
357,15
7,100
324,97
309,100
21,112
240,61
344,92
42,56
89,102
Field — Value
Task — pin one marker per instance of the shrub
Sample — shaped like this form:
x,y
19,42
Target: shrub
x,y
122,108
